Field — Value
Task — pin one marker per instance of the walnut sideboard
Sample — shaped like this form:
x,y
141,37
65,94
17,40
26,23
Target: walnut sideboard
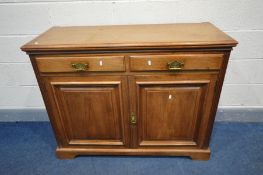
x,y
131,89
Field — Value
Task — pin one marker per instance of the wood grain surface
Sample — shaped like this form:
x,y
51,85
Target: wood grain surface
x,y
129,36
128,102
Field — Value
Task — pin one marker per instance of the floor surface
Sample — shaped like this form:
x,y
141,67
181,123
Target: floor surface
x,y
28,148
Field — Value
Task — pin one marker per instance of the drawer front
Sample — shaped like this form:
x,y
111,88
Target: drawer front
x,y
79,64
177,62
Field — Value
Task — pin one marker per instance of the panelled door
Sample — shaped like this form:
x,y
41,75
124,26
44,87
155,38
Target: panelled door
x,y
164,110
92,109
171,110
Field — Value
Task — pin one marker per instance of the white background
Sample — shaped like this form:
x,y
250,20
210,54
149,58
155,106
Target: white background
x,y
22,20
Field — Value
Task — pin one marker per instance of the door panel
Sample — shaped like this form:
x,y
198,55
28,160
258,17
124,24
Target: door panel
x,y
170,108
170,112
91,109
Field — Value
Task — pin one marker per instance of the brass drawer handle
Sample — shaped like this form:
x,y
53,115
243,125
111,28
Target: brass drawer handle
x,y
80,66
175,65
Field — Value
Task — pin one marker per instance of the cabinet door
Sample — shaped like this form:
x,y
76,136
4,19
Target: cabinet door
x,y
91,110
172,110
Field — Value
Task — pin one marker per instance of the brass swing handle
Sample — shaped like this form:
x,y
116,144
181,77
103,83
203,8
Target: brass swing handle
x,y
80,66
175,65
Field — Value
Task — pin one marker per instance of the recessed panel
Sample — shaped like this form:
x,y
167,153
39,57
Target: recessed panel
x,y
91,114
170,113
94,108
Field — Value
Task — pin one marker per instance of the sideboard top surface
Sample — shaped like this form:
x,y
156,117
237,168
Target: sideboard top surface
x,y
181,35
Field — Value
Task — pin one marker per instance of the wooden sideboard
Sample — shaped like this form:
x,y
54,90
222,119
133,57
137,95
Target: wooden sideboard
x,y
131,89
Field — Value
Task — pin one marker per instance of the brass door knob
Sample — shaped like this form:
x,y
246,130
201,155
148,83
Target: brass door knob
x,y
80,66
175,65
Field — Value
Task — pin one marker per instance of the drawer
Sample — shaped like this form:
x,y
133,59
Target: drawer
x,y
176,62
79,64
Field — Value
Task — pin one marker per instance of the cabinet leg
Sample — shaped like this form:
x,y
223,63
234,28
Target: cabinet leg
x,y
65,155
200,157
